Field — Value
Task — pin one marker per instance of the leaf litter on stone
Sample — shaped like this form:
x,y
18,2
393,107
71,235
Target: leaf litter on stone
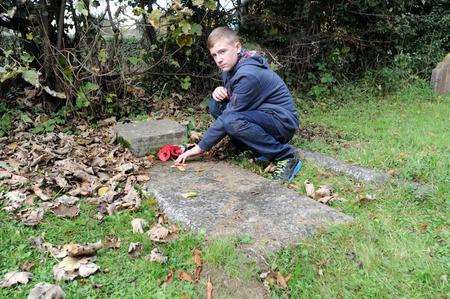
x,y
189,195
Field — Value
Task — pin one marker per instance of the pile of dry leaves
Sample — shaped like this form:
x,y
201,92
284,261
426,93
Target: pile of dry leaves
x,y
88,166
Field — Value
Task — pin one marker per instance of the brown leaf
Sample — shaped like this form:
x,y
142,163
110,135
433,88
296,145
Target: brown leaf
x,y
209,289
14,200
15,277
76,250
65,211
309,187
326,199
46,291
27,266
197,257
142,178
138,225
185,277
158,233
161,218
39,193
156,256
197,272
5,174
365,199
31,217
322,192
69,267
87,269
135,249
282,281
169,278
111,242
67,200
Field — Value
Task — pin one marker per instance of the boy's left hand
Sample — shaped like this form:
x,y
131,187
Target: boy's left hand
x,y
196,150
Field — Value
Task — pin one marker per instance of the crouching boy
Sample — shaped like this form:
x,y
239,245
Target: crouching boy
x,y
254,106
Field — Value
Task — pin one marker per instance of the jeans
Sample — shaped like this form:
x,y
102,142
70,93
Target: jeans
x,y
257,130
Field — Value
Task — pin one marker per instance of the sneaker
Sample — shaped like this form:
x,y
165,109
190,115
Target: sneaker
x,y
261,160
287,169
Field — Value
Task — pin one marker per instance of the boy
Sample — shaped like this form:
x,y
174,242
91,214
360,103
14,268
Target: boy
x,y
254,106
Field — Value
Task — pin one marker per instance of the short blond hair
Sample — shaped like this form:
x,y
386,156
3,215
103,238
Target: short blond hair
x,y
221,33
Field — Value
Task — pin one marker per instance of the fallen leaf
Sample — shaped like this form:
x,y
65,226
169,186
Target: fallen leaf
x,y
125,168
190,194
15,277
326,199
67,200
31,217
209,289
102,191
185,277
15,200
197,272
65,211
27,266
88,269
169,278
46,291
197,257
162,218
135,249
138,225
156,256
76,250
39,193
158,233
309,187
282,281
142,178
180,167
322,192
61,182
4,174
112,243
69,267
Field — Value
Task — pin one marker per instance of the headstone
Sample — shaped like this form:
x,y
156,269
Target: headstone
x,y
146,136
226,200
440,77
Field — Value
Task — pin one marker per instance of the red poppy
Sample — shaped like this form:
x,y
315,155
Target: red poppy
x,y
169,151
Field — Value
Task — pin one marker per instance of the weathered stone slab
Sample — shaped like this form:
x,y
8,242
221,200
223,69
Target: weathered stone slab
x,y
143,137
440,77
233,201
357,172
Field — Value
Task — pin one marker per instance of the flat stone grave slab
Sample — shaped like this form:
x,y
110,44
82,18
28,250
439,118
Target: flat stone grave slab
x,y
234,201
146,136
359,173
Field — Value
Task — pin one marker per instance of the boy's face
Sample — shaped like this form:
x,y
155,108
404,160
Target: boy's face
x,y
225,53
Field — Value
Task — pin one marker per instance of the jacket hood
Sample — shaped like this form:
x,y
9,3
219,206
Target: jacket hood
x,y
250,58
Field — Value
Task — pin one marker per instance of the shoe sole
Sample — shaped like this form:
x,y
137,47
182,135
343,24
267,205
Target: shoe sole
x,y
297,168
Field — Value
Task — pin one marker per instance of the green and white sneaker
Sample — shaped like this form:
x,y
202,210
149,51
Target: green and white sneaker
x,y
287,169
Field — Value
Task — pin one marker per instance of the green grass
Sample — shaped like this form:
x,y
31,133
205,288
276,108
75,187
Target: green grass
x,y
397,246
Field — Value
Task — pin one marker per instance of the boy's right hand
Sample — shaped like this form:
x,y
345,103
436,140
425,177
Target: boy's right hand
x,y
220,93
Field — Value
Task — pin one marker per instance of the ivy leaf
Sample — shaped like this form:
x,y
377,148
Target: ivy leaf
x,y
196,29
184,40
210,4
154,18
31,76
29,36
102,56
198,3
185,27
81,8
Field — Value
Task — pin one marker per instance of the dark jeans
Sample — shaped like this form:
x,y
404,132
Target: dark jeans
x,y
257,130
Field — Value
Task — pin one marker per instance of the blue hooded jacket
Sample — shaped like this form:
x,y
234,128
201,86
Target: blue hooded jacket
x,y
252,85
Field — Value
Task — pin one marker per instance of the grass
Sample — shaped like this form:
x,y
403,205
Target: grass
x,y
397,246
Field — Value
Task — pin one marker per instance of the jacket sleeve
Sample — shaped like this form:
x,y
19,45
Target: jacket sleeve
x,y
243,98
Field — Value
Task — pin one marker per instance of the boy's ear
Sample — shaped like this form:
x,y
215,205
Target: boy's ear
x,y
238,47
